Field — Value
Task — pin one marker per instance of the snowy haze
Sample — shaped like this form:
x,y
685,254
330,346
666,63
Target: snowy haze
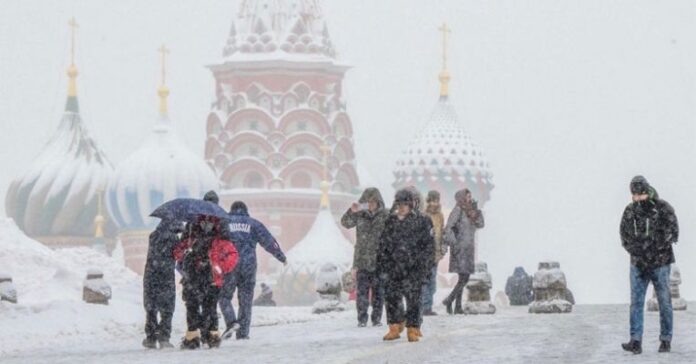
x,y
569,99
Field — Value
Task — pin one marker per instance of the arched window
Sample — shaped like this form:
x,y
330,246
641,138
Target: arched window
x,y
253,180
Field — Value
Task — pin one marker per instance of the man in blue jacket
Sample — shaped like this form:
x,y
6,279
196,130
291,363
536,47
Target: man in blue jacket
x,y
244,232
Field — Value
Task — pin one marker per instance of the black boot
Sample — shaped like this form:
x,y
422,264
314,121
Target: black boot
x,y
429,313
665,347
214,340
448,305
192,340
458,305
165,344
150,343
633,346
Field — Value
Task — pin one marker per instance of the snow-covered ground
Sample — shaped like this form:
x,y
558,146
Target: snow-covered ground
x,y
51,324
591,334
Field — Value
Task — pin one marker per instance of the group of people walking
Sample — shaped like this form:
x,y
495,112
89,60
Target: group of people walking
x,y
215,258
397,252
395,262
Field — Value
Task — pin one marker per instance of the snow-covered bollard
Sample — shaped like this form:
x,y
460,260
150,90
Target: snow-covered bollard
x,y
678,303
479,287
550,290
8,292
95,289
328,285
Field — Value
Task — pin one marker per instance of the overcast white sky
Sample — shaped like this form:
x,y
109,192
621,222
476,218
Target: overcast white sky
x,y
569,99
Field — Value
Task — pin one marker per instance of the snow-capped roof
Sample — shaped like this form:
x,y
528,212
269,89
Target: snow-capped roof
x,y
58,194
324,243
163,168
284,28
444,156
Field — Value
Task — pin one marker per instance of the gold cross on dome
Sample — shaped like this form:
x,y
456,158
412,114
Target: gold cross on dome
x,y
445,31
73,26
163,51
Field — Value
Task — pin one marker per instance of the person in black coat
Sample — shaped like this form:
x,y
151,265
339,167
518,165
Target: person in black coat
x,y
403,262
648,229
519,288
159,286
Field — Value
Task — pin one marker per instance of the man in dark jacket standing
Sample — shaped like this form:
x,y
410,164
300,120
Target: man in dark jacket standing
x,y
245,232
404,261
649,227
159,286
368,218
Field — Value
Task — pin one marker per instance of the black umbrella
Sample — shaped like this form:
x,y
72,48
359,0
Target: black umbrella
x,y
189,209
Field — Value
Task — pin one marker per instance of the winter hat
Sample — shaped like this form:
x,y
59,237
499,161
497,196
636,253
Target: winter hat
x,y
211,196
460,196
403,195
433,196
639,185
239,206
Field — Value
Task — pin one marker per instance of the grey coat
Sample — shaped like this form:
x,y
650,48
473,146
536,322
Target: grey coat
x,y
460,235
369,227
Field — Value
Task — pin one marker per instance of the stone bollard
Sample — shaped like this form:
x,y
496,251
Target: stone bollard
x,y
328,285
550,290
8,292
95,289
479,288
678,303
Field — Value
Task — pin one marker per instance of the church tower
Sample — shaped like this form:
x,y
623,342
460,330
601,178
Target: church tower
x,y
278,106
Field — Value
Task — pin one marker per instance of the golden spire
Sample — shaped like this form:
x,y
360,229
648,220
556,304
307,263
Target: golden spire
x,y
99,219
72,69
163,90
444,74
324,202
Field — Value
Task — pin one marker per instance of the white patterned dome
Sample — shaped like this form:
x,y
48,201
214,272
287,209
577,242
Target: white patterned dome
x,y
444,157
163,168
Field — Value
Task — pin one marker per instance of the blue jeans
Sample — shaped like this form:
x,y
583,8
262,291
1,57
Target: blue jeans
x,y
639,285
429,288
242,280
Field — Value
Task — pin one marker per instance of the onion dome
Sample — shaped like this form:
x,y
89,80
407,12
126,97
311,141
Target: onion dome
x,y
443,156
163,168
324,243
58,194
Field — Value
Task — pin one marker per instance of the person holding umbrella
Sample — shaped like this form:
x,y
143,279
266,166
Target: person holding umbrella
x,y
204,257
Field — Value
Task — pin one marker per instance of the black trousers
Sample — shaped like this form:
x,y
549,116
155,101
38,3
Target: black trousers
x,y
161,330
396,290
458,291
201,310
369,281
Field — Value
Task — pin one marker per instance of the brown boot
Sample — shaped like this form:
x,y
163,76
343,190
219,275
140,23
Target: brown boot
x,y
412,334
393,333
418,332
